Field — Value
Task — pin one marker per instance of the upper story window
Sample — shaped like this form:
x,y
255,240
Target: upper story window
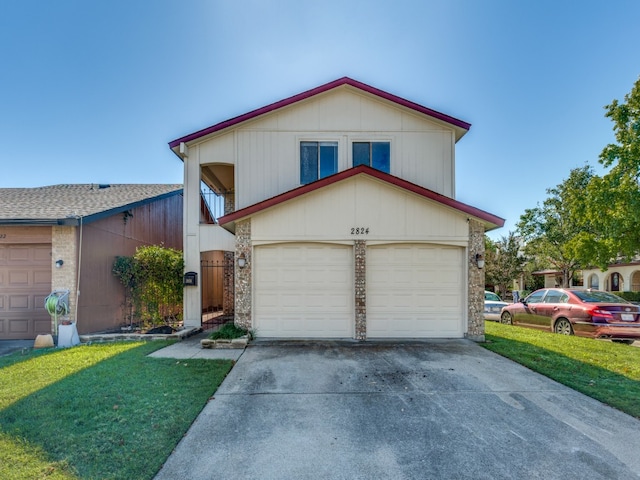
x,y
317,160
375,154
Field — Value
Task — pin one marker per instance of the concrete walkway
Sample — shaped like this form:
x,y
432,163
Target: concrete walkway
x,y
428,410
190,348
186,348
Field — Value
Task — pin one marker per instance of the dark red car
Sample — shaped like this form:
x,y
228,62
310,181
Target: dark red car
x,y
586,313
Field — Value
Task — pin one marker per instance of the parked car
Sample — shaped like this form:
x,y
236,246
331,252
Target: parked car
x,y
586,313
493,306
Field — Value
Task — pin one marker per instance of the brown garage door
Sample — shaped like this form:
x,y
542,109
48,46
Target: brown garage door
x,y
25,281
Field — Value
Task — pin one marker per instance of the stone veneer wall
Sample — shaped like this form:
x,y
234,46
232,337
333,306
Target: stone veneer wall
x,y
64,246
227,285
360,284
229,203
476,282
243,275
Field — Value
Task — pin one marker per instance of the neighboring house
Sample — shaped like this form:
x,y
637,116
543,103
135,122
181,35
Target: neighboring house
x,y
619,277
340,217
66,237
552,278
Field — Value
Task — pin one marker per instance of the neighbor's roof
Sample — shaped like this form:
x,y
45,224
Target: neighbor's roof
x,y
460,126
490,221
66,204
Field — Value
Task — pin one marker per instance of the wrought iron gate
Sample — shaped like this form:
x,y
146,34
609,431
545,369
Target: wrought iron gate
x,y
217,283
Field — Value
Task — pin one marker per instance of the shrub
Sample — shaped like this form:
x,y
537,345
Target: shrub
x,y
631,296
153,283
228,331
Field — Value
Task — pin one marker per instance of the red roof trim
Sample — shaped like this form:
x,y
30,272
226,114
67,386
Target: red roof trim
x,y
315,91
363,169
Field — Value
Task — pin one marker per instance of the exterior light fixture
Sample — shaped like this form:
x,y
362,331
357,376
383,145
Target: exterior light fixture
x,y
242,261
59,263
480,260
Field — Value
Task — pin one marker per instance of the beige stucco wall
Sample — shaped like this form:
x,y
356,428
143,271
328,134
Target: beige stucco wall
x,y
630,276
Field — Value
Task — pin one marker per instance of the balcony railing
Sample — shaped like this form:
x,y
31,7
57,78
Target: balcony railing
x,y
211,205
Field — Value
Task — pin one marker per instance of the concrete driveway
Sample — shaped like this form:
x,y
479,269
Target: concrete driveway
x,y
9,346
428,410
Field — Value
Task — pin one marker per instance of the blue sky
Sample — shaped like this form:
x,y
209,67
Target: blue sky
x,y
92,91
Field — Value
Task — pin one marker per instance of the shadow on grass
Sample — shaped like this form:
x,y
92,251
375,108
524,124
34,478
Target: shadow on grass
x,y
119,417
611,388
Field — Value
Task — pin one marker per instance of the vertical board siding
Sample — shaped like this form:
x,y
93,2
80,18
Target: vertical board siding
x,y
101,300
266,149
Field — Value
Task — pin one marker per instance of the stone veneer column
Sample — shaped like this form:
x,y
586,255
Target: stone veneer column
x,y
476,282
227,283
64,246
360,283
229,203
243,275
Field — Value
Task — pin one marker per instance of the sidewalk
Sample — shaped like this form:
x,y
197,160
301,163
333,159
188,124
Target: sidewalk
x,y
190,348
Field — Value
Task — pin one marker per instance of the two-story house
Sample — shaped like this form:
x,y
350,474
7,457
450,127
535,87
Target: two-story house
x,y
341,215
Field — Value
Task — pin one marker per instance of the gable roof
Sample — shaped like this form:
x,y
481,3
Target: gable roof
x,y
460,126
66,204
490,221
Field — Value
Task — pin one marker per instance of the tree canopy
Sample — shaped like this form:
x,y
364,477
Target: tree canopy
x,y
590,220
555,232
614,199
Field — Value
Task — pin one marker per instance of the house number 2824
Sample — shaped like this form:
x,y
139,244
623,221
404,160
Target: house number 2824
x,y
359,230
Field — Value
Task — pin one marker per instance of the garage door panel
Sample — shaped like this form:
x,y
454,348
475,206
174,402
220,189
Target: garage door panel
x,y
18,278
42,325
19,302
19,254
414,291
18,326
303,291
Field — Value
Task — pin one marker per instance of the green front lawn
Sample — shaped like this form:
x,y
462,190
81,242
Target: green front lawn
x,y
98,411
606,371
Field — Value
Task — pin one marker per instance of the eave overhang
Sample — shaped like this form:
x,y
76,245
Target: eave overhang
x,y
460,126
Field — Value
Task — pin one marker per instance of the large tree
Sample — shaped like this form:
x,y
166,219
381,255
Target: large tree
x,y
556,232
614,199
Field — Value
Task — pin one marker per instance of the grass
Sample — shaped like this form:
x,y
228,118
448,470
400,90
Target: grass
x,y
228,331
104,411
606,371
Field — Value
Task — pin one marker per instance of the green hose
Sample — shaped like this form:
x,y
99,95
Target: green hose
x,y
55,307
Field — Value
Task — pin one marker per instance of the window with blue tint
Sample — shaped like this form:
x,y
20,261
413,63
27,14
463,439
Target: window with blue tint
x,y
361,153
380,156
308,162
317,160
374,154
328,158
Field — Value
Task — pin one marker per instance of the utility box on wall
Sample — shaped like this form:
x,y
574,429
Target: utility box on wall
x,y
190,279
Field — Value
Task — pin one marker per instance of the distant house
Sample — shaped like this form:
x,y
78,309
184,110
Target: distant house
x,y
619,277
66,237
338,210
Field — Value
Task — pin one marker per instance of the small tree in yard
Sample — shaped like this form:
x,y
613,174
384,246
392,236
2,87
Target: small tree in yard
x,y
153,280
503,261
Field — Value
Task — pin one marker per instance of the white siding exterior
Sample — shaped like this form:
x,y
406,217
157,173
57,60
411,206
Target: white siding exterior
x,y
306,250
391,215
265,150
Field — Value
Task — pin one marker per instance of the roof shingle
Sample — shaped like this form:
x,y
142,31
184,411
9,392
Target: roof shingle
x,y
53,204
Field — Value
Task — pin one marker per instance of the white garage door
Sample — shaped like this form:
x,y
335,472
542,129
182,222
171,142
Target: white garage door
x,y
415,291
303,291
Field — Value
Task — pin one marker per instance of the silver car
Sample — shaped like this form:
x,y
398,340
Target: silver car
x,y
493,305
